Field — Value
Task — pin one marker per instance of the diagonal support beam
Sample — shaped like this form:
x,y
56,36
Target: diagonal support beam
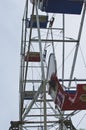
x,y
78,44
33,101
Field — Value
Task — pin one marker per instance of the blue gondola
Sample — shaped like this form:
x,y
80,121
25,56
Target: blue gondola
x,y
60,6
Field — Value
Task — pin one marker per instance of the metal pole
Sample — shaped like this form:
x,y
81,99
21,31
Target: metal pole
x,y
63,57
78,43
22,62
63,49
32,102
29,43
42,67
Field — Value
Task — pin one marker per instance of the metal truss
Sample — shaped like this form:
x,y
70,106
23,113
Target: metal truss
x,y
37,110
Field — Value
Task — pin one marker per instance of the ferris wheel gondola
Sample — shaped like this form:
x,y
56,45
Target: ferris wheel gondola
x,y
60,6
66,99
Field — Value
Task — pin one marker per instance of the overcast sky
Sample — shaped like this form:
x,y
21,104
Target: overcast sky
x,y
11,12
10,38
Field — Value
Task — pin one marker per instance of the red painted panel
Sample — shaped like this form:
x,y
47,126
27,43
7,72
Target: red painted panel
x,y
33,57
69,101
78,102
66,100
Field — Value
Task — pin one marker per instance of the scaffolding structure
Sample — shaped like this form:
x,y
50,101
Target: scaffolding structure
x,y
37,110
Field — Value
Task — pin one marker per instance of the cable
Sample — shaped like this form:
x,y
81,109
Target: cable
x,y
67,57
82,57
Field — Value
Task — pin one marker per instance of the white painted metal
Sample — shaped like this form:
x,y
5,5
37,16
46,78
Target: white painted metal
x,y
34,112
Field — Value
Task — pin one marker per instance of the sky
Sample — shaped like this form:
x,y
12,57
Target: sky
x,y
11,12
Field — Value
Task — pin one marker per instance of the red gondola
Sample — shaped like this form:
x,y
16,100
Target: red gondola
x,y
65,99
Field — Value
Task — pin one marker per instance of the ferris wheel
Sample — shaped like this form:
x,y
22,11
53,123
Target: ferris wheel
x,y
51,92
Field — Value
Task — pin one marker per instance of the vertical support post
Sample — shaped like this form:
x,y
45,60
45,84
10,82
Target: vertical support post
x,y
63,49
78,43
23,45
42,65
29,43
63,57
